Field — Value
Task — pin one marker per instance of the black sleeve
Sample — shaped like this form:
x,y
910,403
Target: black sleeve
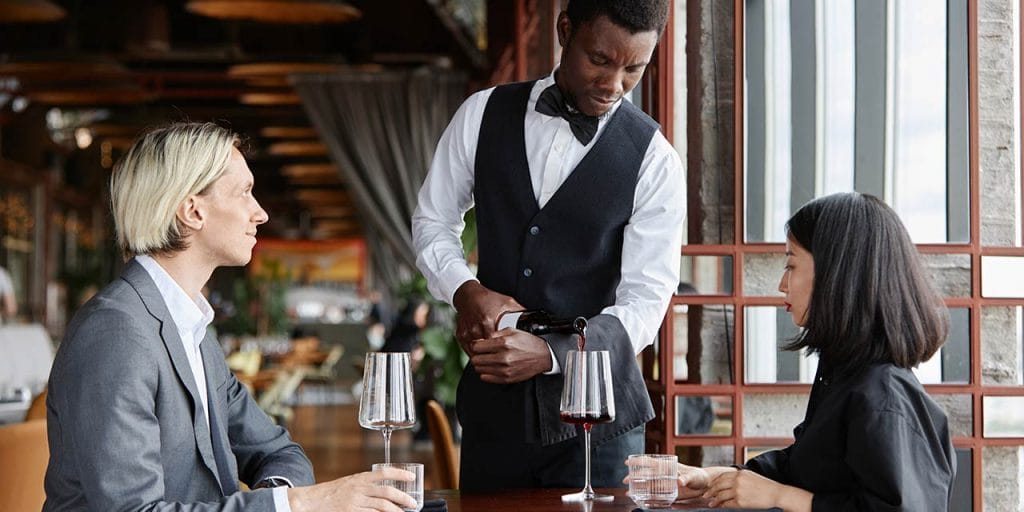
x,y
897,467
772,464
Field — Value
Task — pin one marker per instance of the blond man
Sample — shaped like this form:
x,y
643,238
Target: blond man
x,y
143,412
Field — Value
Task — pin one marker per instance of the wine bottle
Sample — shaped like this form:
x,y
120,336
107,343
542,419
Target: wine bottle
x,y
538,322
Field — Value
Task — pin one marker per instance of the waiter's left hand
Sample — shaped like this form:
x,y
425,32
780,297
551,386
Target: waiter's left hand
x,y
510,356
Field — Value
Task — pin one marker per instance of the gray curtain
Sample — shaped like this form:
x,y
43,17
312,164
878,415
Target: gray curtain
x,y
381,129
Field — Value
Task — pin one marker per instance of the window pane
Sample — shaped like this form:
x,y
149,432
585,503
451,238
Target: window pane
x,y
772,415
679,99
1002,276
1001,485
710,455
960,412
702,340
705,275
951,273
963,491
704,415
766,329
919,119
951,364
870,96
761,274
1004,416
1002,329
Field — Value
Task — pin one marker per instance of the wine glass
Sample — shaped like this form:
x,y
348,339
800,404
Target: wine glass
x,y
587,399
387,401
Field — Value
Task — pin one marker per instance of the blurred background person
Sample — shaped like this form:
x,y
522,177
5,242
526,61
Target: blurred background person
x,y
8,301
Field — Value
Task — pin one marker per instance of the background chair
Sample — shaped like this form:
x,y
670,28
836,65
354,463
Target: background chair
x,y
25,454
274,401
444,448
37,411
327,370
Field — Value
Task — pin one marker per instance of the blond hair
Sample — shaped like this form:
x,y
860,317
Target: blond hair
x,y
161,169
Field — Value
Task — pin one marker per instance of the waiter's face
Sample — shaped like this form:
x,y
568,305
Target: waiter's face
x,y
601,61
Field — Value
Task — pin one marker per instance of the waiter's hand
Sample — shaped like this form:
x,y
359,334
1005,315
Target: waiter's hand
x,y
510,356
478,309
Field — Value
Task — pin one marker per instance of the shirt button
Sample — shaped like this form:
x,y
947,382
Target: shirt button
x,y
534,230
527,272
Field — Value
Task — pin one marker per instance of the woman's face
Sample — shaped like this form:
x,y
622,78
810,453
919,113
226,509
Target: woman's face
x,y
797,281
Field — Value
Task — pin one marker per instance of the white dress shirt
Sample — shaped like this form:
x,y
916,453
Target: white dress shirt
x,y
651,241
191,319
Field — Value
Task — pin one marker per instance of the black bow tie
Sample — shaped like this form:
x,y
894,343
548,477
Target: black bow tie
x,y
552,103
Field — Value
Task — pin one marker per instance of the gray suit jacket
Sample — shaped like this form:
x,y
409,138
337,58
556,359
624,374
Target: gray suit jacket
x,y
126,427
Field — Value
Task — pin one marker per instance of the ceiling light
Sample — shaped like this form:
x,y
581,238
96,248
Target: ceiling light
x,y
276,11
288,132
298,148
269,98
305,170
19,104
279,69
30,11
83,137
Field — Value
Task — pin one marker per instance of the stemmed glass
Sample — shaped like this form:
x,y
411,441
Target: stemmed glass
x,y
587,399
387,401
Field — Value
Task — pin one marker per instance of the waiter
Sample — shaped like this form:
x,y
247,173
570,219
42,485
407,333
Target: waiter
x,y
579,202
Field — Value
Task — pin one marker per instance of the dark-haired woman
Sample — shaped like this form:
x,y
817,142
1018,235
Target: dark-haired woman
x,y
872,438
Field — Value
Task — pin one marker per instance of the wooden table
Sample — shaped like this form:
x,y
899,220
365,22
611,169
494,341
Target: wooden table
x,y
542,500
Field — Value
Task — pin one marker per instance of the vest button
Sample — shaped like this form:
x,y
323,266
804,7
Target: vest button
x,y
534,230
527,272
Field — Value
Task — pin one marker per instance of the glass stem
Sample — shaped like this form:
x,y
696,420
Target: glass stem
x,y
387,446
588,491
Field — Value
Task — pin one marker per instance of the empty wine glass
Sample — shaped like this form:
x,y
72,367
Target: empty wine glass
x,y
387,401
587,399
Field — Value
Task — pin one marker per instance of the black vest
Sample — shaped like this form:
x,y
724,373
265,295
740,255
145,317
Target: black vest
x,y
564,258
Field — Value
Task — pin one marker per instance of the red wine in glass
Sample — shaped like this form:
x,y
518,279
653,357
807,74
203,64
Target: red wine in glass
x,y
586,419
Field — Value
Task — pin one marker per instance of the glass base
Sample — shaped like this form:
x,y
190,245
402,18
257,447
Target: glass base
x,y
578,497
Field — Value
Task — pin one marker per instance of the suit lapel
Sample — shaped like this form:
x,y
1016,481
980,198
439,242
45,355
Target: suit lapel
x,y
143,284
213,359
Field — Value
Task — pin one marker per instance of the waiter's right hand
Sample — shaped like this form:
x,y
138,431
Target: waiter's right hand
x,y
478,309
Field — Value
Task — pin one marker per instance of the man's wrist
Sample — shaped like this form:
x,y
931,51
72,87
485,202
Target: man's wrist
x,y
462,291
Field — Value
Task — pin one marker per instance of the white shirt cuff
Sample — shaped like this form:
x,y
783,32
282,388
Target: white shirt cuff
x,y
555,367
281,499
452,278
281,495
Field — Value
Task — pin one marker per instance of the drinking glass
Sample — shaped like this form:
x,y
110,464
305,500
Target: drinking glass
x,y
587,399
387,401
653,480
413,488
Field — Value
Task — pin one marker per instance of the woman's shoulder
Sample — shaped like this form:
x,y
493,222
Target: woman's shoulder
x,y
886,388
885,379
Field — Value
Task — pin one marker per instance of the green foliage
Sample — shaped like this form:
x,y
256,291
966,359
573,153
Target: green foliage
x,y
445,358
260,303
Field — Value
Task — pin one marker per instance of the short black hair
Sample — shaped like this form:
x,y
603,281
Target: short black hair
x,y
871,301
633,15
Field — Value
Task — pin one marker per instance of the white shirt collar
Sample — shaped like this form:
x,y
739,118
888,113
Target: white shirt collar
x,y
548,81
192,316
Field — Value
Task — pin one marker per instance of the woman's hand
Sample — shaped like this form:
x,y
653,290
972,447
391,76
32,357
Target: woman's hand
x,y
747,489
693,481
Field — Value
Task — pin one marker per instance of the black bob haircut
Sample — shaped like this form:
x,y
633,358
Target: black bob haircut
x,y
633,15
871,302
